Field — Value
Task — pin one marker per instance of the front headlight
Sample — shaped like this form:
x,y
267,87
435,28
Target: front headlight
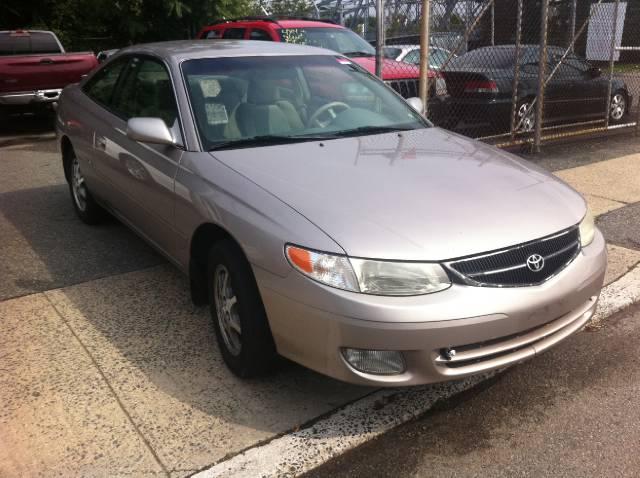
x,y
369,276
587,229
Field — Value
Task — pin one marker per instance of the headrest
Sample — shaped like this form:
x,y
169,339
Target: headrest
x,y
262,92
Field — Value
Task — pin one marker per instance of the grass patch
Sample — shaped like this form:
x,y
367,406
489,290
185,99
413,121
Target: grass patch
x,y
626,67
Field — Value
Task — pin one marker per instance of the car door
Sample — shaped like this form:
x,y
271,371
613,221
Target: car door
x,y
142,175
561,98
591,88
95,116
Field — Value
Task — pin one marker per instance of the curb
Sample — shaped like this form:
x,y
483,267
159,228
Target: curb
x,y
348,427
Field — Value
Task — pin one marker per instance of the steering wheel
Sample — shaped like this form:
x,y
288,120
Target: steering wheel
x,y
330,110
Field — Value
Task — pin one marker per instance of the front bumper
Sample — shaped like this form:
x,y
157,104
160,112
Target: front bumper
x,y
24,98
489,327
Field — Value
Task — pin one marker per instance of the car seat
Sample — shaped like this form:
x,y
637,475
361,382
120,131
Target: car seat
x,y
263,113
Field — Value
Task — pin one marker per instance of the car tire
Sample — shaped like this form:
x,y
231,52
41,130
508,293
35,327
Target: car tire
x,y
87,209
618,106
239,319
528,124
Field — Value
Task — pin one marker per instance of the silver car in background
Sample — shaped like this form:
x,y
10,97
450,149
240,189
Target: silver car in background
x,y
323,219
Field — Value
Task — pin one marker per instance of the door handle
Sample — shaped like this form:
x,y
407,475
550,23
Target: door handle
x,y
46,61
101,143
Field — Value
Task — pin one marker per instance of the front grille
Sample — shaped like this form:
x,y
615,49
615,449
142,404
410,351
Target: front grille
x,y
407,88
508,267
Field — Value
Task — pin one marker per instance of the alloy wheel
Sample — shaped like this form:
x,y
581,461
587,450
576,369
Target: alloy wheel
x,y
78,186
526,118
618,107
226,304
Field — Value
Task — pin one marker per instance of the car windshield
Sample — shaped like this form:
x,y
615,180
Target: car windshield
x,y
238,101
391,52
341,40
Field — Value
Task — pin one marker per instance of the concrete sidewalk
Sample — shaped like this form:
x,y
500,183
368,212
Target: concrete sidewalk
x,y
107,369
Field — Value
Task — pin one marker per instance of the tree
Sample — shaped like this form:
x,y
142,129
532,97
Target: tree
x,y
102,24
291,7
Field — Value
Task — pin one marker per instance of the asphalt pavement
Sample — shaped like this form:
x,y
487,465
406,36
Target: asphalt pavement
x,y
106,368
574,411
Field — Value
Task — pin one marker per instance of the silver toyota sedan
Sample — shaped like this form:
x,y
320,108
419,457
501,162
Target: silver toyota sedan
x,y
323,219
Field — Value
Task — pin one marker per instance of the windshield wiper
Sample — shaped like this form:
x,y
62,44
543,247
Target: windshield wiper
x,y
268,139
372,130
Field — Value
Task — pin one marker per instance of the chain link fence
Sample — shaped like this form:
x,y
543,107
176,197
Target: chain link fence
x,y
510,71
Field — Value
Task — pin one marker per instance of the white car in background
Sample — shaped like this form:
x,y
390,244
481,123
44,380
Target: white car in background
x,y
411,54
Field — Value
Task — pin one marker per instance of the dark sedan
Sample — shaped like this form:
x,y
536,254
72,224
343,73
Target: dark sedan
x,y
480,88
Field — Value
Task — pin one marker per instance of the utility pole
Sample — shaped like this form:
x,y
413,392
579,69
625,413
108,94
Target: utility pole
x,y
379,36
542,64
424,55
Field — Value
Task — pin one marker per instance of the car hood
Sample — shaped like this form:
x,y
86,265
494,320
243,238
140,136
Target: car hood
x,y
425,194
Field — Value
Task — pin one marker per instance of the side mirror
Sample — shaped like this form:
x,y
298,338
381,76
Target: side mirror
x,y
595,72
149,130
416,104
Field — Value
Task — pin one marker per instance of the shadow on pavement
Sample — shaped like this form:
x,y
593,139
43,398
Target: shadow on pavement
x,y
49,247
155,348
27,127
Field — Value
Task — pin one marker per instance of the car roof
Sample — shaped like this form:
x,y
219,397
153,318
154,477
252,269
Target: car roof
x,y
306,24
181,50
277,23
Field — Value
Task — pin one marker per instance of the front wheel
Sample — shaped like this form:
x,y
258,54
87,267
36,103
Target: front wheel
x,y
617,107
239,318
85,206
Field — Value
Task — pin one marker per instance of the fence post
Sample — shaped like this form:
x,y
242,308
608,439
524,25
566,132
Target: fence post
x,y
542,68
516,71
493,23
612,56
379,36
424,55
572,26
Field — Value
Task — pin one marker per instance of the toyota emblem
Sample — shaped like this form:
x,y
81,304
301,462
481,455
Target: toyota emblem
x,y
535,262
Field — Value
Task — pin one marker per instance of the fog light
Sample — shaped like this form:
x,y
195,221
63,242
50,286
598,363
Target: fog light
x,y
379,362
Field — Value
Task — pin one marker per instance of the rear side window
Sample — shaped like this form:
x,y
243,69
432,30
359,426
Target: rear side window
x,y
28,43
234,33
44,43
213,34
100,88
260,34
489,57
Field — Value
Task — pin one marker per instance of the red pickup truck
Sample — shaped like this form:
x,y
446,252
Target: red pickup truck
x,y
402,77
34,68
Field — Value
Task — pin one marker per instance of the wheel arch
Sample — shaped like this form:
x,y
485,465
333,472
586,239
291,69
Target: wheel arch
x,y
66,148
203,238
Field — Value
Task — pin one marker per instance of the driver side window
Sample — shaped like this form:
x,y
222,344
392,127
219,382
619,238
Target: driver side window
x,y
101,87
146,91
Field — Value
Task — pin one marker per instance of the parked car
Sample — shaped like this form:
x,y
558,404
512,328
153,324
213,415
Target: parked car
x,y
411,54
402,77
323,219
34,68
480,88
